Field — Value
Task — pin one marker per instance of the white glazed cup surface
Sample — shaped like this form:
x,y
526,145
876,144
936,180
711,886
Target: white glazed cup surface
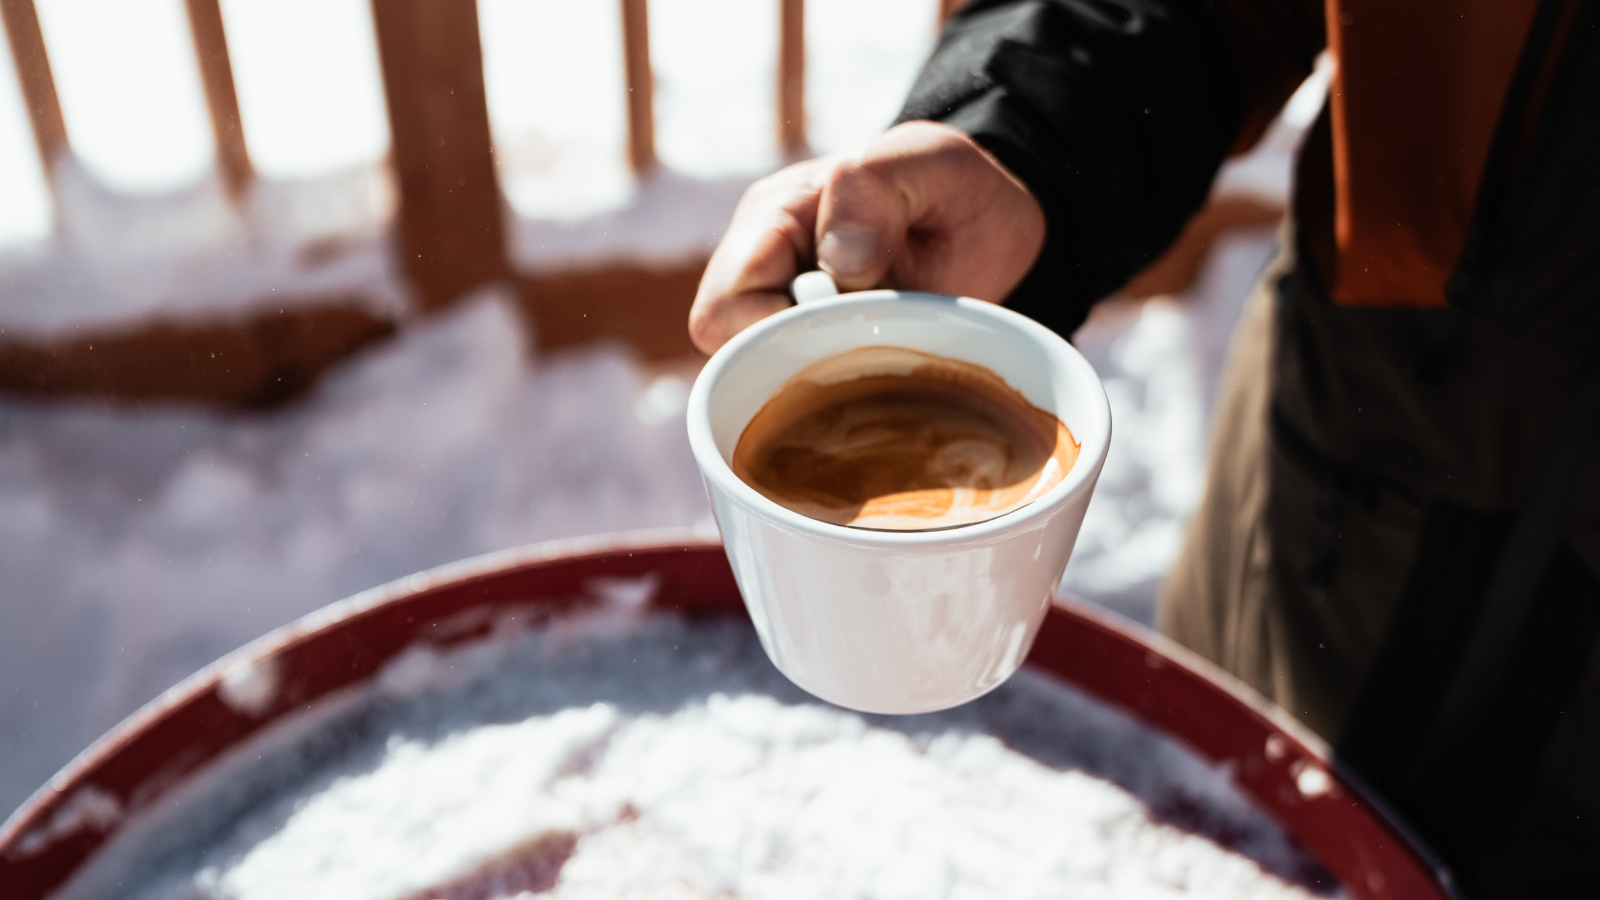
x,y
884,621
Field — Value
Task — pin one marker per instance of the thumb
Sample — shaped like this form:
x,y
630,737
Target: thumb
x,y
861,222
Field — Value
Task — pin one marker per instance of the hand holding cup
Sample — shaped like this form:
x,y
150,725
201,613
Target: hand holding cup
x,y
851,599
921,207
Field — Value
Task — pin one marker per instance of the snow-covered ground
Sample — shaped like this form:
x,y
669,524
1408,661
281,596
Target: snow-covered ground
x,y
138,544
1159,361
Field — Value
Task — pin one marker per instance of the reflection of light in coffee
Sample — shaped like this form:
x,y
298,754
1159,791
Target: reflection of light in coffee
x,y
895,439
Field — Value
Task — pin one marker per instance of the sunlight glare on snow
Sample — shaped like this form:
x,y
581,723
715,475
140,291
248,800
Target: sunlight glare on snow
x,y
715,65
861,59
26,212
130,91
310,95
554,78
1263,174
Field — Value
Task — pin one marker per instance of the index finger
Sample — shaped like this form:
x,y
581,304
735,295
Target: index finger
x,y
769,242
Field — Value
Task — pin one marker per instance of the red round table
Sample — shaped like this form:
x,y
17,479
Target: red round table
x,y
1272,759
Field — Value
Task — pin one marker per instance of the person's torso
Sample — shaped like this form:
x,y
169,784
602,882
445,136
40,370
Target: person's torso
x,y
1450,216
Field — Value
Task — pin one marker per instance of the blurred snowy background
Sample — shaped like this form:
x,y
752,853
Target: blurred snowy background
x,y
138,544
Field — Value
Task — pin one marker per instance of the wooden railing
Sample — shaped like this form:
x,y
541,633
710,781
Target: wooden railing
x,y
432,70
449,230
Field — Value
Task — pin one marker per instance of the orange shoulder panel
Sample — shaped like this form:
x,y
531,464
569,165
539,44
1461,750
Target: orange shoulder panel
x,y
1416,93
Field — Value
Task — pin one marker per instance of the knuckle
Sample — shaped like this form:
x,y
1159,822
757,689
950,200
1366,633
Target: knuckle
x,y
860,177
784,182
841,172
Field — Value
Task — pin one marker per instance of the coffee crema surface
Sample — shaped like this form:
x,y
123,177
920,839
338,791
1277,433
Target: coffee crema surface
x,y
895,439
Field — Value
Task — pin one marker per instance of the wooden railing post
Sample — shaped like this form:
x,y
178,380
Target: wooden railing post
x,y
792,79
216,75
641,85
450,231
33,74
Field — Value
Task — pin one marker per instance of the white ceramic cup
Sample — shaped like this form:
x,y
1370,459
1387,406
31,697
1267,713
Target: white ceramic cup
x,y
885,621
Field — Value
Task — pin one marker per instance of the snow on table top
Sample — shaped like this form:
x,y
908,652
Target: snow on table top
x,y
608,750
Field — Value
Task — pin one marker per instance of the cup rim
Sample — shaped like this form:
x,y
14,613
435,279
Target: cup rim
x,y
716,470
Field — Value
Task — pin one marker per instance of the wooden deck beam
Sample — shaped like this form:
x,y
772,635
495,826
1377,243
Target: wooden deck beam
x,y
792,79
640,79
33,74
222,100
450,231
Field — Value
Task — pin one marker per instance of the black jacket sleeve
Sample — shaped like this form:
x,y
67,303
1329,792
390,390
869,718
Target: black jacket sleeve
x,y
1115,113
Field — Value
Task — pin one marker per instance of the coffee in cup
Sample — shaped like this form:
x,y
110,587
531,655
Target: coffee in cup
x,y
895,439
890,621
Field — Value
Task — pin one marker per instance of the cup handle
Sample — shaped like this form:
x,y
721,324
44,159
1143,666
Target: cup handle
x,y
813,285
